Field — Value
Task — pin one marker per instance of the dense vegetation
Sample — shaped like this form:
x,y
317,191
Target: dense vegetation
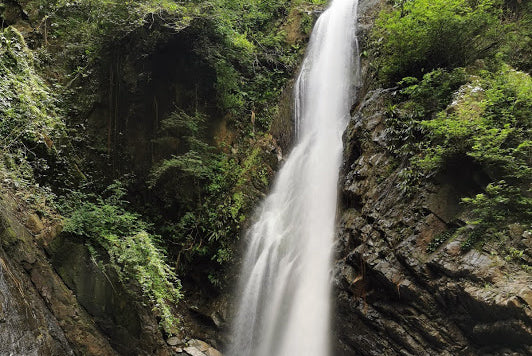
x,y
29,123
462,68
34,136
132,250
182,213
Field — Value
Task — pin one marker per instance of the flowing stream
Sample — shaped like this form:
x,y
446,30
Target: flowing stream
x,y
284,305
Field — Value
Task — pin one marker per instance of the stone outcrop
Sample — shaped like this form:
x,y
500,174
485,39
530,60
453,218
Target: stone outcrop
x,y
395,297
124,319
394,294
56,299
40,315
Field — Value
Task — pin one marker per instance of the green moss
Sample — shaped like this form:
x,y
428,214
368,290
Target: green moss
x,y
459,101
8,236
488,123
27,105
30,123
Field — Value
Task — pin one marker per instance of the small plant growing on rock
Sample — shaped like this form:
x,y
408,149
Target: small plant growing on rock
x,y
439,239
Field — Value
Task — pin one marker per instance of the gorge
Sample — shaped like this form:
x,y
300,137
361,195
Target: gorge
x,y
139,145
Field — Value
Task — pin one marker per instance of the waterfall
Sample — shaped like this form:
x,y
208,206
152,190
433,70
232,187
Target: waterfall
x,y
284,305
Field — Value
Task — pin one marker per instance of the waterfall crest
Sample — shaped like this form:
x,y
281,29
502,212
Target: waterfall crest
x,y
284,304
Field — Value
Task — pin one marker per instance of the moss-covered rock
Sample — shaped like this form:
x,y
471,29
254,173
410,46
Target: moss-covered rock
x,y
118,312
57,324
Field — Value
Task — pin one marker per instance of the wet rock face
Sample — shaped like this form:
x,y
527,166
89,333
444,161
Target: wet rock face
x,y
393,297
129,325
56,300
142,80
26,325
39,315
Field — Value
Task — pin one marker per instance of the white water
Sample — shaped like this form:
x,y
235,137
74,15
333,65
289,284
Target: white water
x,y
284,304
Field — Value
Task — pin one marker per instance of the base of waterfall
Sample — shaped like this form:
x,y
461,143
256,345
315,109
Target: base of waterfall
x,y
196,347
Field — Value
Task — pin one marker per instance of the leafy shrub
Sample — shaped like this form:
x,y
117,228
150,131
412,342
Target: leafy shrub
x,y
417,100
417,36
209,194
250,54
500,205
133,251
27,105
239,39
488,121
31,126
517,49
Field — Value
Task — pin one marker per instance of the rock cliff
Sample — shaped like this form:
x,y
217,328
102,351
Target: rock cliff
x,y
394,294
39,315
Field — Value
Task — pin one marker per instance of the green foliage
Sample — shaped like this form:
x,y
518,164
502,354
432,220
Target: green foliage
x,y
500,205
490,122
82,39
132,251
27,116
434,91
514,254
487,121
199,194
439,239
250,55
202,194
479,114
240,40
30,125
419,100
517,49
209,193
88,26
415,37
189,167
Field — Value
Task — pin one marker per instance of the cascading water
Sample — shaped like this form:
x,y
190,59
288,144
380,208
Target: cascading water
x,y
285,279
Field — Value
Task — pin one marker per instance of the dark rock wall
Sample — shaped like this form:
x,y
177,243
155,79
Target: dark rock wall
x,y
39,315
392,296
122,318
56,300
282,127
148,75
27,327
